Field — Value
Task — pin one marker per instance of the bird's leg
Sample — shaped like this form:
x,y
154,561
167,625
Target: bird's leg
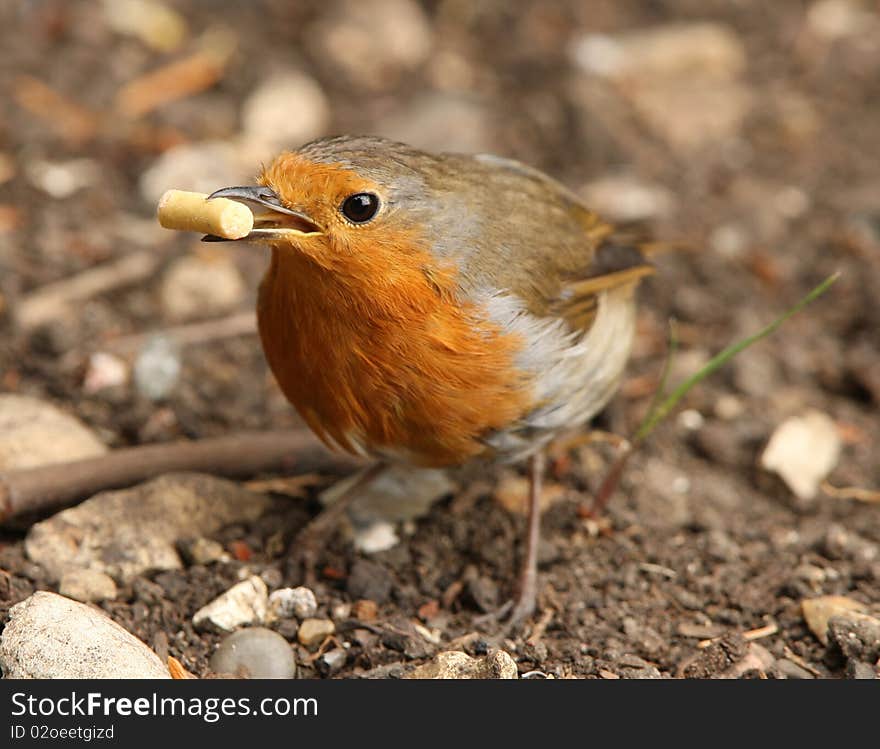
x,y
527,591
316,532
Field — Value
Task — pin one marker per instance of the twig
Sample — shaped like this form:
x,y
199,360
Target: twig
x,y
851,492
178,79
74,121
748,636
53,300
238,324
541,627
47,487
795,658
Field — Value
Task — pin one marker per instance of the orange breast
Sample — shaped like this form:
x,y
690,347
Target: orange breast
x,y
402,370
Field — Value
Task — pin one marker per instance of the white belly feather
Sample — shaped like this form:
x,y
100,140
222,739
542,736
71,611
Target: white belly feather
x,y
575,373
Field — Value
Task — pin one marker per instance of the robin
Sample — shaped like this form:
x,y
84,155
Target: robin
x,y
438,309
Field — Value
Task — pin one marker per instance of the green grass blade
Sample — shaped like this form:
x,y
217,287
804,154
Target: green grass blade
x,y
656,415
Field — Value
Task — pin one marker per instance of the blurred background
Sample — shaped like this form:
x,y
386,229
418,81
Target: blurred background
x,y
749,131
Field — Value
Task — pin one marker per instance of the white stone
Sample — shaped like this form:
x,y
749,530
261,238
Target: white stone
x,y
286,603
803,451
376,537
243,604
48,636
34,433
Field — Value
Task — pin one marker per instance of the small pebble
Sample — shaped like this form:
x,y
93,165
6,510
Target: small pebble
x,y
803,451
202,550
256,653
369,580
483,592
87,585
272,577
286,603
313,632
333,660
857,635
365,610
244,603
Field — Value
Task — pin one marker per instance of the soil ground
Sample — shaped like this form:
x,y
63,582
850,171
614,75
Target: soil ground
x,y
698,542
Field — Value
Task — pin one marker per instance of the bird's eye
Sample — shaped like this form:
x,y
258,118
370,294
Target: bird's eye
x,y
360,207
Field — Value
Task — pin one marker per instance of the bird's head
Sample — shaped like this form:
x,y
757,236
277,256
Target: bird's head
x,y
351,204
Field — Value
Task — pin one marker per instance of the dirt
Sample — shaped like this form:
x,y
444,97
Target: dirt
x,y
699,542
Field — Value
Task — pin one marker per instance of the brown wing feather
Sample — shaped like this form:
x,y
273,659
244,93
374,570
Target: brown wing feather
x,y
543,245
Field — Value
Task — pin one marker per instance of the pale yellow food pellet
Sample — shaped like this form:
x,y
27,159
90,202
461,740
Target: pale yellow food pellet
x,y
191,211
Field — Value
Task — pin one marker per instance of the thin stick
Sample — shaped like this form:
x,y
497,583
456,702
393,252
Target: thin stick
x,y
53,300
51,486
851,492
238,324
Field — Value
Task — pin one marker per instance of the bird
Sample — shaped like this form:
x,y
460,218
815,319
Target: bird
x,y
439,309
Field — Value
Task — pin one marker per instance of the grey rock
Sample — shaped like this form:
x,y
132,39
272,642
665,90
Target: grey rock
x,y
454,664
87,585
34,433
243,604
483,593
255,653
857,635
819,610
286,603
123,533
369,580
48,636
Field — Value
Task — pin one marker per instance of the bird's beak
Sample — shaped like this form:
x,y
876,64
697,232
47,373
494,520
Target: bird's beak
x,y
272,220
